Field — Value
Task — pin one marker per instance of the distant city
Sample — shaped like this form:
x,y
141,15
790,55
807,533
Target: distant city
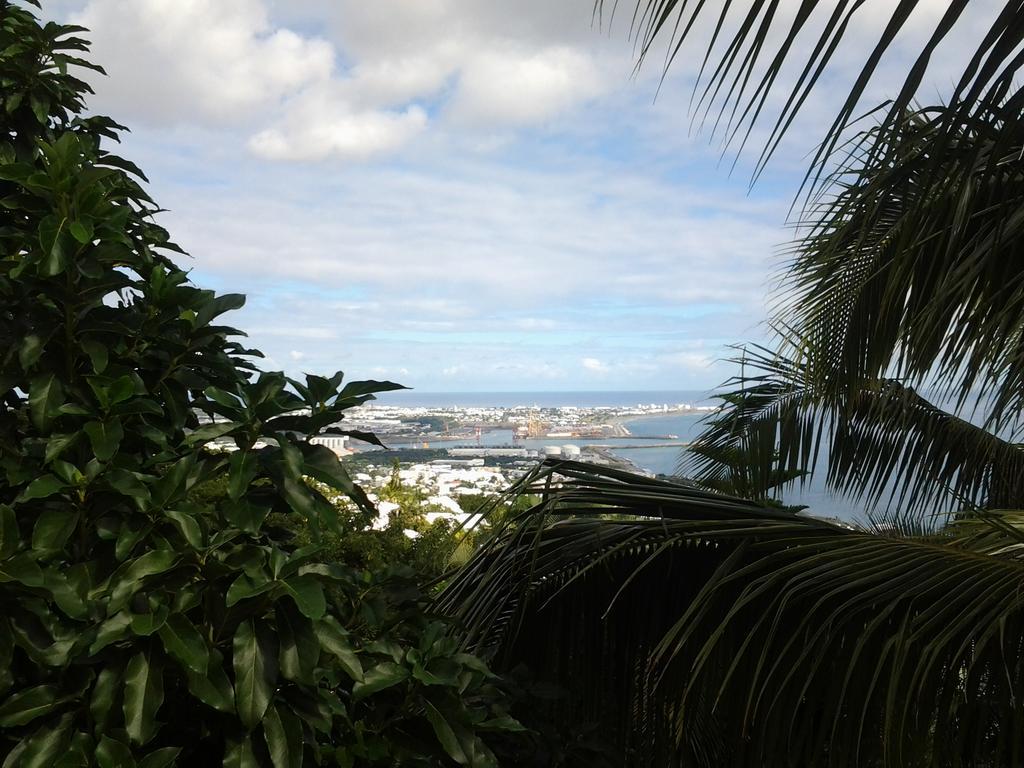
x,y
461,424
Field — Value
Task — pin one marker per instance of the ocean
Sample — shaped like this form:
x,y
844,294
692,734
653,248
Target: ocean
x,y
660,460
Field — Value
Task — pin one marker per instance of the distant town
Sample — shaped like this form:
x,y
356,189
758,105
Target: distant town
x,y
451,452
458,424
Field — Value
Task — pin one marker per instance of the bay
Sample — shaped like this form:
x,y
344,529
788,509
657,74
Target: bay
x,y
658,460
818,499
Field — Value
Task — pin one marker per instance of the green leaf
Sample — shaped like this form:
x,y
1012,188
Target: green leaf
x,y
213,688
211,432
53,529
183,641
67,472
25,706
9,535
120,389
105,437
23,569
174,482
239,754
282,732
334,640
143,695
42,748
145,624
42,487
187,527
30,350
503,723
384,675
255,661
113,754
97,352
446,734
45,398
68,588
291,463
6,655
54,257
79,753
110,631
245,515
308,594
161,758
104,696
127,484
218,305
40,107
322,464
132,574
243,467
128,535
81,231
57,444
360,388
300,649
244,587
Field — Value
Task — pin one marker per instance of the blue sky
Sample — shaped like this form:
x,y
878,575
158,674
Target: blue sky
x,y
455,194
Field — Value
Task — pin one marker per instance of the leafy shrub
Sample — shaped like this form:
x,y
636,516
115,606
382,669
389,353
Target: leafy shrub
x,y
140,627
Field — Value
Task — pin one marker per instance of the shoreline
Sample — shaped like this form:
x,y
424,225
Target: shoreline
x,y
625,420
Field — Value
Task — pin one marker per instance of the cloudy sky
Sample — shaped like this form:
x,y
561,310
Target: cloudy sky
x,y
455,194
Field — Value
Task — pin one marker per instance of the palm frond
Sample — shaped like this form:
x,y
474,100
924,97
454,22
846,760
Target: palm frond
x,y
881,440
703,630
909,269
751,45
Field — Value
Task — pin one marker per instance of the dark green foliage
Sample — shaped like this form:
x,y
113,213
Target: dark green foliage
x,y
360,545
701,630
139,627
906,279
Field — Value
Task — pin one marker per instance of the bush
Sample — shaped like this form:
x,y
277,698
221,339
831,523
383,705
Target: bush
x,y
138,626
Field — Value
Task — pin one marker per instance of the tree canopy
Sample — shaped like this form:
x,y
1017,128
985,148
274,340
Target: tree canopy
x,y
141,626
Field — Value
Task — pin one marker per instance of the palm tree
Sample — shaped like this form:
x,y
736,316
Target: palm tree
x,y
694,629
907,279
701,629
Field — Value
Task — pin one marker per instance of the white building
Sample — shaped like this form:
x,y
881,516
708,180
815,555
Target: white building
x,y
337,443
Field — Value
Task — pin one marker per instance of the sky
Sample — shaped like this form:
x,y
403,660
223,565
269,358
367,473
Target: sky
x,y
458,195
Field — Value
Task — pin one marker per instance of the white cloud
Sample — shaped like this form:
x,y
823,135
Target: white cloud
x,y
512,86
594,364
322,129
296,356
183,61
366,93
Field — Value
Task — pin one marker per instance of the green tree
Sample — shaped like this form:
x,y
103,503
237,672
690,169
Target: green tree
x,y
362,541
906,281
709,630
139,627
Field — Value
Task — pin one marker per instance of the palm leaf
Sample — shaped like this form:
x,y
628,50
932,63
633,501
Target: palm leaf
x,y
703,630
747,48
909,269
882,440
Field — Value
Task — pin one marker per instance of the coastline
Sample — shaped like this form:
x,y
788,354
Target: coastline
x,y
624,420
